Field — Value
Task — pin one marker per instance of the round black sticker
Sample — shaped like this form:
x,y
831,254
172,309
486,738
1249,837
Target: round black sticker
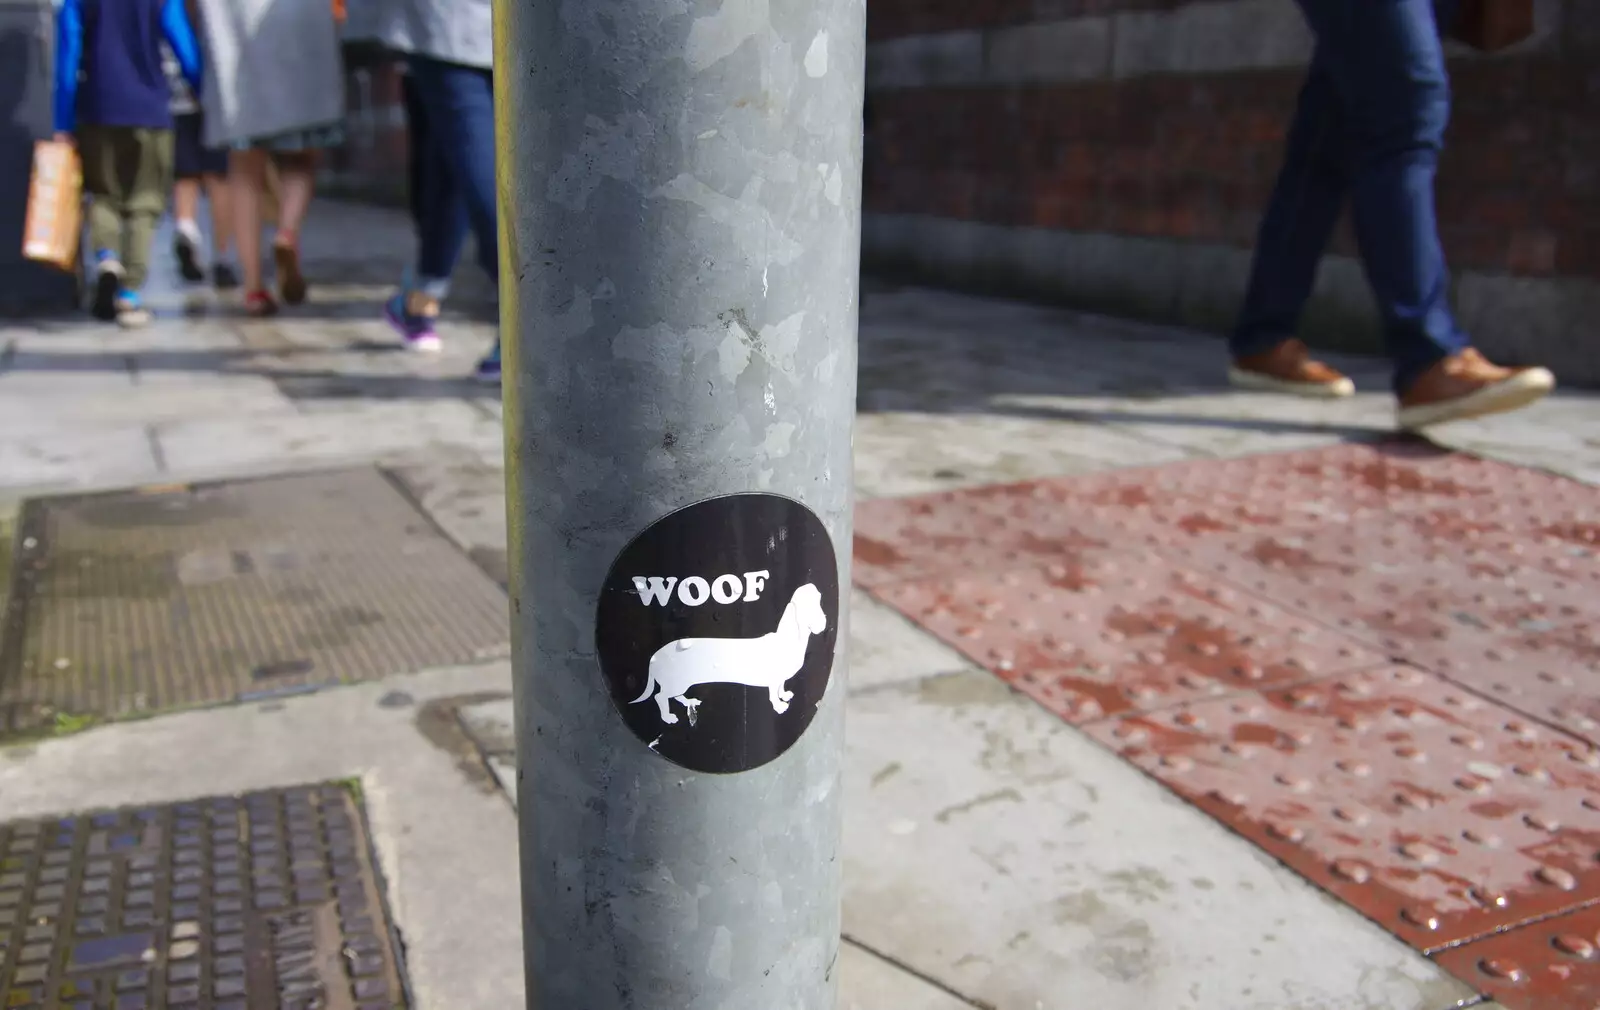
x,y
716,630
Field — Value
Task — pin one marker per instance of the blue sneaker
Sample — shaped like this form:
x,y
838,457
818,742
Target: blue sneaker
x,y
488,369
107,283
130,310
415,329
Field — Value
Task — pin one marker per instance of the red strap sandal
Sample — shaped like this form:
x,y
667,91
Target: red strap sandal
x,y
260,304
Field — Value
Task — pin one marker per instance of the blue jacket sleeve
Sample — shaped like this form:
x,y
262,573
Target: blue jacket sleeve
x,y
179,31
69,60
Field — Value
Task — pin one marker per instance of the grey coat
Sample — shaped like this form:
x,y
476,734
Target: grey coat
x,y
455,31
272,67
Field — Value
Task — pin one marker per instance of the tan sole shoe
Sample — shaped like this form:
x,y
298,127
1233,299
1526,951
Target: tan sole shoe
x,y
1518,390
1334,389
133,319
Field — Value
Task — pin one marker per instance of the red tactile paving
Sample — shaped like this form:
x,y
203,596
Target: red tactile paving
x,y
1107,633
1381,663
903,538
1486,618
1199,500
1549,965
1422,805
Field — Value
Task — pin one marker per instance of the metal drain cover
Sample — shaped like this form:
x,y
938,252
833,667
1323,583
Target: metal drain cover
x,y
159,598
268,900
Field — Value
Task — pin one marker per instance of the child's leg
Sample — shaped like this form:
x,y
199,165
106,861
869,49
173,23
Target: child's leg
x,y
217,194
150,160
98,156
100,182
188,243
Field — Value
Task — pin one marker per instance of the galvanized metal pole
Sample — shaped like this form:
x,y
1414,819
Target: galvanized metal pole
x,y
680,203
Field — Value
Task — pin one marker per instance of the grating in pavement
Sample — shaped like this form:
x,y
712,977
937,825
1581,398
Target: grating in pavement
x,y
1381,663
269,900
147,600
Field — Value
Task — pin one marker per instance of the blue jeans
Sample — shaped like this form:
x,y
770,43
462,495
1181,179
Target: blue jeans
x,y
1370,124
457,177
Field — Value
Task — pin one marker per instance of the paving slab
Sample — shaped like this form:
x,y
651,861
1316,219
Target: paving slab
x,y
80,458
465,494
994,849
281,443
886,648
869,982
902,453
997,858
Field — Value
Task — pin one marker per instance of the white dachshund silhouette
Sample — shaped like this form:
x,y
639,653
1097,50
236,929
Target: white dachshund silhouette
x,y
768,661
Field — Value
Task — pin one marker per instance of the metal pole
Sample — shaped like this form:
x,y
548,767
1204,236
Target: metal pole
x,y
680,207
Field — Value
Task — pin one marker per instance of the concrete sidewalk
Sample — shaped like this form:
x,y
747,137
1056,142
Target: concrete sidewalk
x,y
996,856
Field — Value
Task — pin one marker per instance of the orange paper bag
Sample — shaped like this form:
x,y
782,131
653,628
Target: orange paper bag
x,y
55,206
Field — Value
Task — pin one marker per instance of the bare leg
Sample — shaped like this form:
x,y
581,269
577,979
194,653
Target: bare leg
x,y
294,198
246,172
220,195
188,241
186,199
295,187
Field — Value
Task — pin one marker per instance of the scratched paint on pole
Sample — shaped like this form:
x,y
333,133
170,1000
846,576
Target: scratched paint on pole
x,y
716,630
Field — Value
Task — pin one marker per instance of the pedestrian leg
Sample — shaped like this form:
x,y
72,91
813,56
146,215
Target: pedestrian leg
x,y
247,172
1294,233
101,181
459,105
296,184
219,194
150,157
1386,63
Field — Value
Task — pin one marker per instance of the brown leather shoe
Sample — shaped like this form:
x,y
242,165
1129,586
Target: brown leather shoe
x,y
1289,368
1469,385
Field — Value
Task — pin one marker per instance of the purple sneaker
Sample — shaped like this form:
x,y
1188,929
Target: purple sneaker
x,y
416,331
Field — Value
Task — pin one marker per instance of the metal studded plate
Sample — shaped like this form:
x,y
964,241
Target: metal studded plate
x,y
1508,623
267,901
1107,634
1235,628
151,599
1549,965
1180,504
1422,805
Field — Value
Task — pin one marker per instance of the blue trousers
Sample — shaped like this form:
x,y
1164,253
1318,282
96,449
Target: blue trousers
x,y
456,180
1370,126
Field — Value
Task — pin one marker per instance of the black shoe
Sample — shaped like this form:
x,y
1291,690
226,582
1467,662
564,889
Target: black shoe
x,y
223,277
106,285
188,261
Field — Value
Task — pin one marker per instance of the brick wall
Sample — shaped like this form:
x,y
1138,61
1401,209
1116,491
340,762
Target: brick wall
x,y
1117,154
1164,121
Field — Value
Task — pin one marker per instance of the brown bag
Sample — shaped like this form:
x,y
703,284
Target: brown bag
x,y
1492,25
54,223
